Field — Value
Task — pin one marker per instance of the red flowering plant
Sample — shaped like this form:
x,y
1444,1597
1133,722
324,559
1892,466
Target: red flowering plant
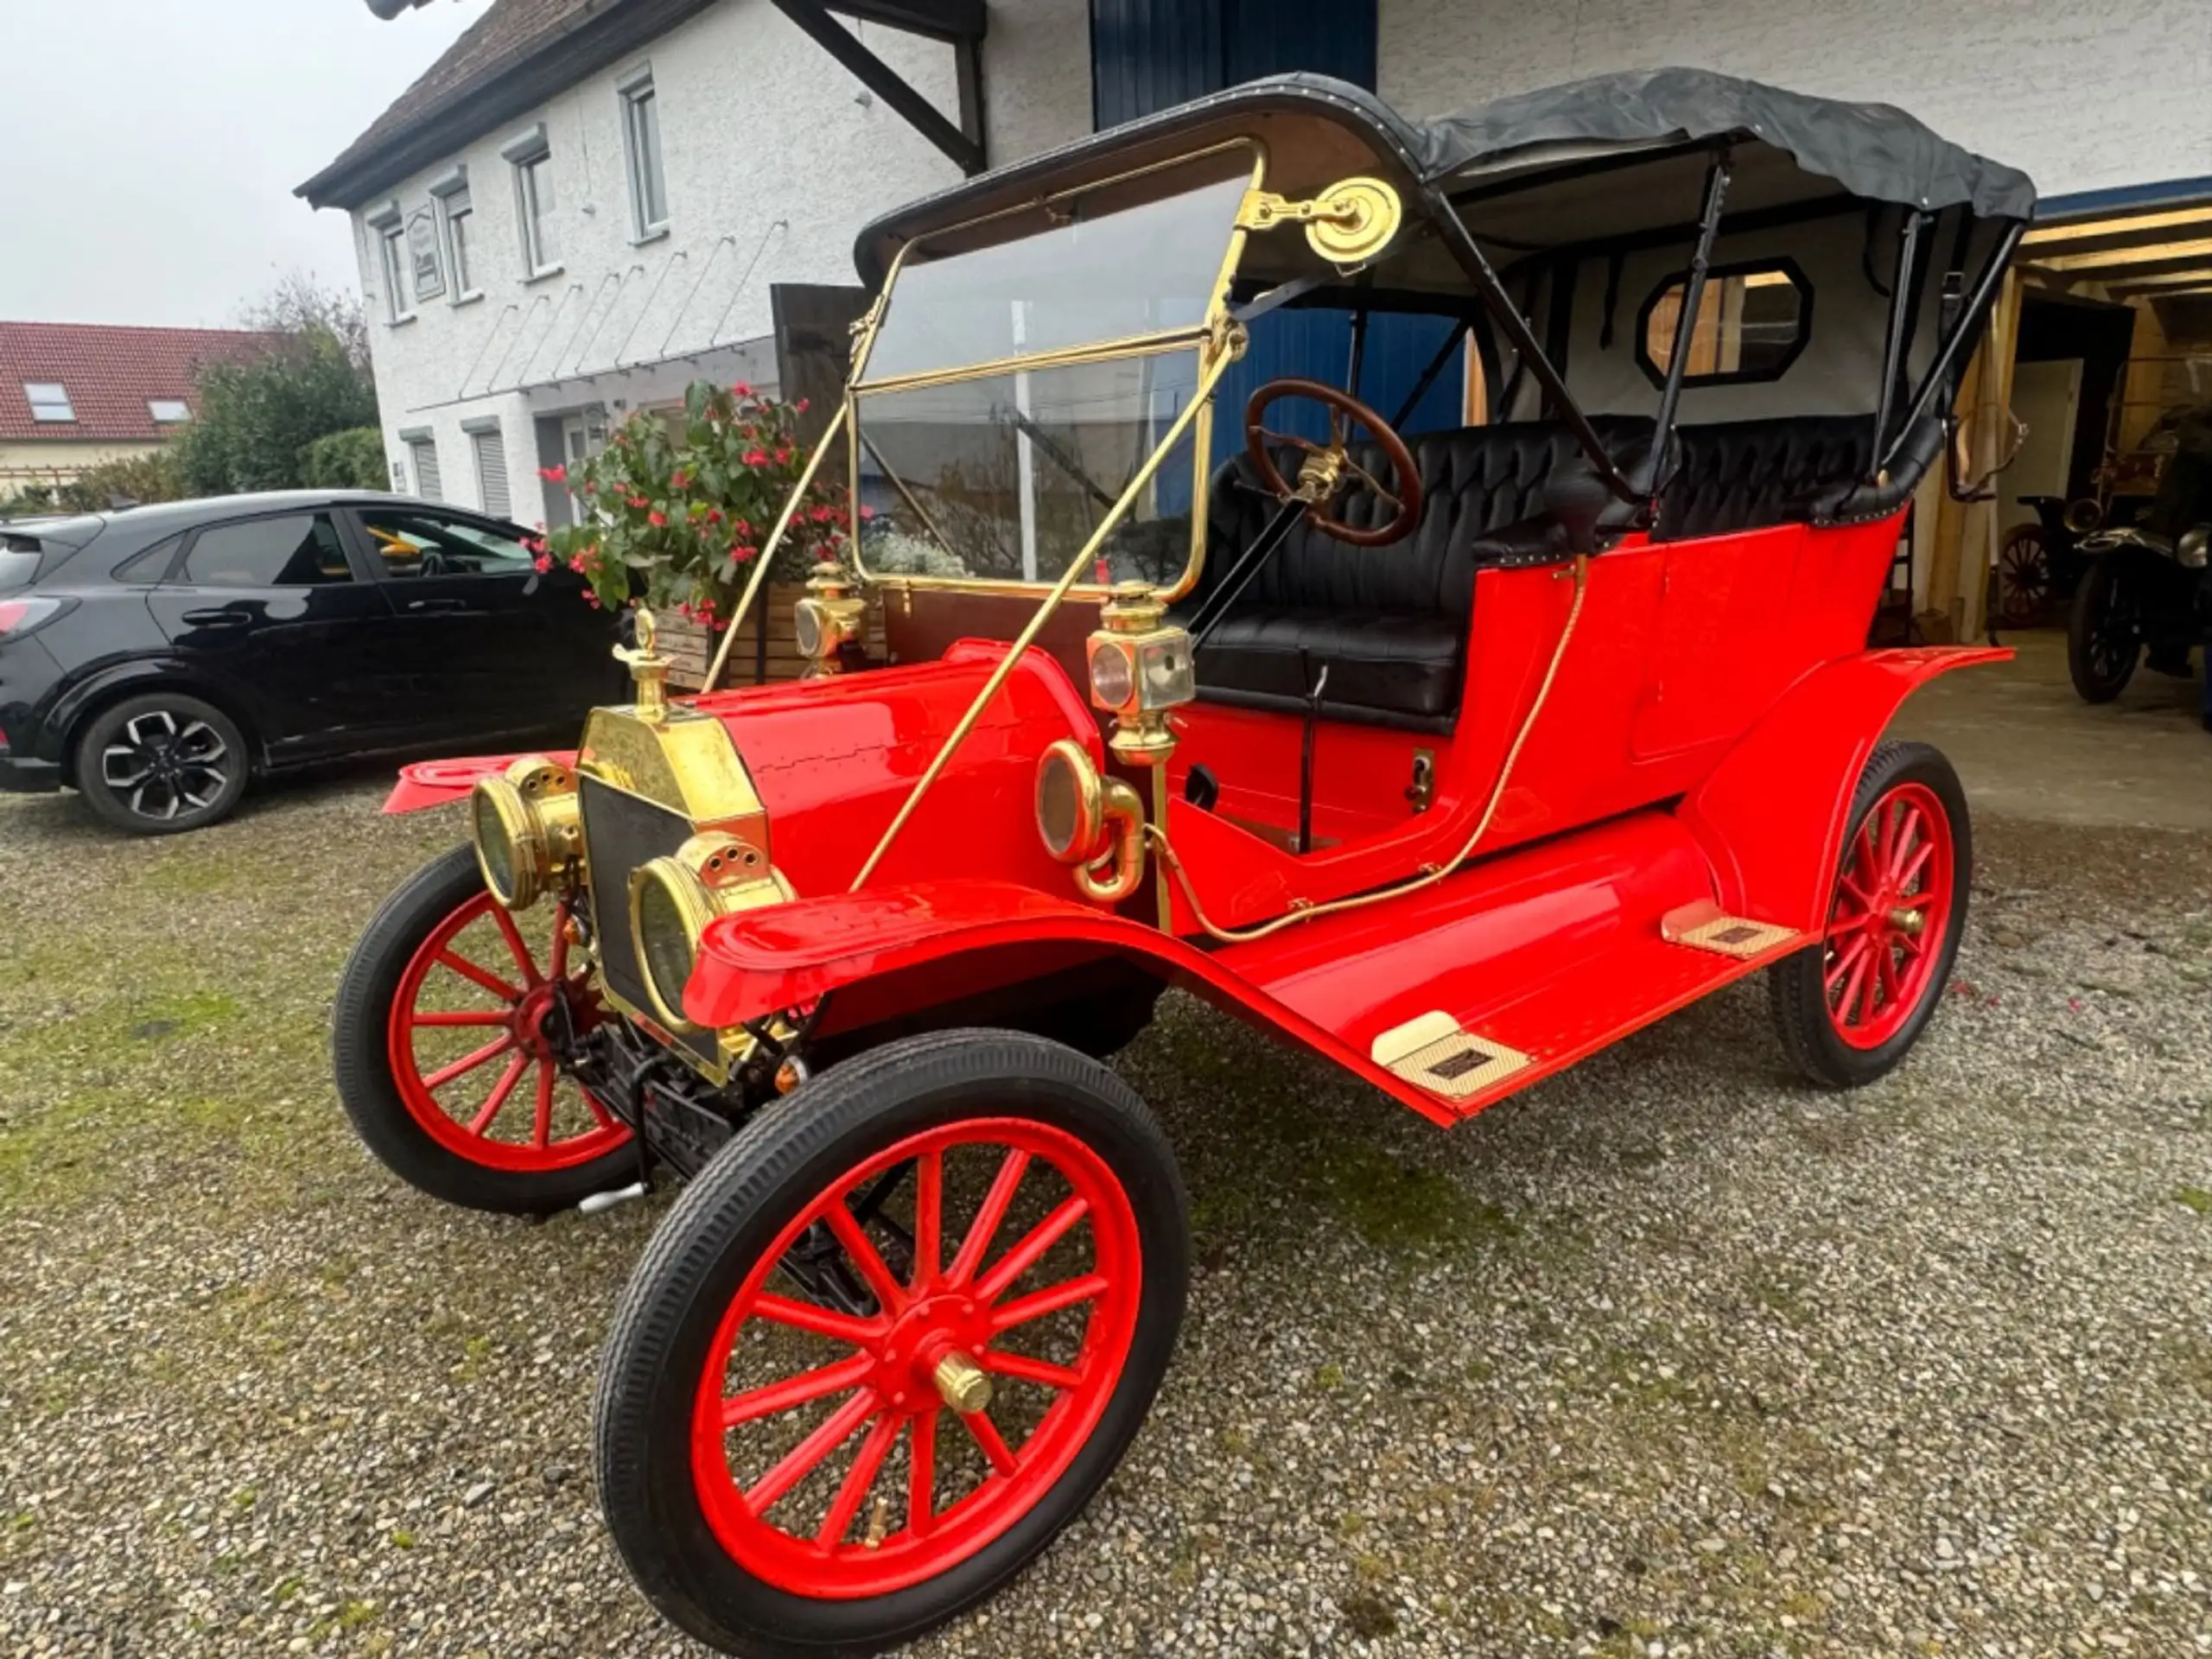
x,y
675,517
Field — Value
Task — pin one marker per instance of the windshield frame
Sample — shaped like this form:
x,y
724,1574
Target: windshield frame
x,y
1209,336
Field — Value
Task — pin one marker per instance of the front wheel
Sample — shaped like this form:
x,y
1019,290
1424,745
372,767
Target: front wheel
x,y
2104,633
889,1343
447,1040
1849,1009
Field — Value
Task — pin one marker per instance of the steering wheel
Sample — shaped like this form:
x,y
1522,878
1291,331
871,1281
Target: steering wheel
x,y
1325,469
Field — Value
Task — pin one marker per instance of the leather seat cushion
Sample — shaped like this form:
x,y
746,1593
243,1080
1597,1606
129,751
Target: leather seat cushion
x,y
1400,665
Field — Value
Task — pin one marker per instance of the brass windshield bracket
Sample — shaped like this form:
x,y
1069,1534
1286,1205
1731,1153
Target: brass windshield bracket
x,y
1347,223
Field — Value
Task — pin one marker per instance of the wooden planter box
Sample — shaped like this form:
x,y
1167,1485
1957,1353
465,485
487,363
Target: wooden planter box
x,y
691,648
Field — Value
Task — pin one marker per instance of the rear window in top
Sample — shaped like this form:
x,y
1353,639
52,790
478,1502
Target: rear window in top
x,y
297,550
151,565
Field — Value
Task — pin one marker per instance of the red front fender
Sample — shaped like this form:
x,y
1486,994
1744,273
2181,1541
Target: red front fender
x,y
924,942
433,783
1771,816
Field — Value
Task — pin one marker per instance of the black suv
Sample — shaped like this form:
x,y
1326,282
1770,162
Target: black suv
x,y
156,659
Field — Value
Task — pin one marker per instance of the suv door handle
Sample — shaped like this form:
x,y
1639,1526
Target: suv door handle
x,y
217,619
421,607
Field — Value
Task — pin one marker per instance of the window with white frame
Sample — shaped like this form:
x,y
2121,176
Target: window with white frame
x,y
641,141
457,231
49,400
390,233
531,157
422,452
168,411
489,451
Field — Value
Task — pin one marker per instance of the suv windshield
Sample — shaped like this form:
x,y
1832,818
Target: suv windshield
x,y
1121,260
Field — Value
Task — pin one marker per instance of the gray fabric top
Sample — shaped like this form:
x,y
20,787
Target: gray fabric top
x,y
1874,150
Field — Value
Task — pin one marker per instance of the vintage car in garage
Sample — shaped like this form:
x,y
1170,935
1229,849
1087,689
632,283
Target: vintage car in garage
x,y
1450,746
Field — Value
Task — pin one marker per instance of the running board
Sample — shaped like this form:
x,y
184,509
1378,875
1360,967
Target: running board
x,y
1704,926
1433,1052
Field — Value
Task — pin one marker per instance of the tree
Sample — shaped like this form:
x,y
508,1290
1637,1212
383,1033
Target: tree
x,y
351,460
257,418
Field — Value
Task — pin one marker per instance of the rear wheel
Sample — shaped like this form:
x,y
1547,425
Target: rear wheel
x,y
2104,633
160,763
889,1343
1851,1008
446,1041
2023,578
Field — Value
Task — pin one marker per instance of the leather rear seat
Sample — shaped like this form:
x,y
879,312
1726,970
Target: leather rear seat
x,y
1391,622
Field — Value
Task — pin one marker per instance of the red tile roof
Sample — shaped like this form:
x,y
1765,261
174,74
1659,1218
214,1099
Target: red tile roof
x,y
110,374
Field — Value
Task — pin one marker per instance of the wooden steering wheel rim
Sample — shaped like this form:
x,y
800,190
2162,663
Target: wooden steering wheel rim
x,y
1394,448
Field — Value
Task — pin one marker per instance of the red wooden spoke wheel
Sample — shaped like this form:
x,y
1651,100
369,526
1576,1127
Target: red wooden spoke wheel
x,y
1850,1007
955,1315
889,1342
448,1044
503,1103
1891,916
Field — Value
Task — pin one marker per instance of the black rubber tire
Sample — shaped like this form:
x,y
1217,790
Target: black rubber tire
x,y
1796,991
183,714
702,1251
2099,591
361,1062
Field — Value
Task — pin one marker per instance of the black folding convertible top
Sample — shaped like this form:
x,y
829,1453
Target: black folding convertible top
x,y
1872,151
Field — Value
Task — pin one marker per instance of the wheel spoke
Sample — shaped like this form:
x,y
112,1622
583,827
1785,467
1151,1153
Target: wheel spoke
x,y
800,1462
606,1119
484,976
822,1321
928,1215
1911,833
921,1474
468,1063
504,917
1024,1255
987,1437
774,1398
864,1256
866,1463
1051,1299
541,1124
1885,963
482,1122
1851,984
467,1017
1851,952
1915,864
1025,1370
988,1218
1868,984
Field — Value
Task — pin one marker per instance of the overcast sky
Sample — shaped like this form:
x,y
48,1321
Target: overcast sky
x,y
148,149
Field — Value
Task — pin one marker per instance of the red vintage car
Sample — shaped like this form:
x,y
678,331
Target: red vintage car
x,y
1451,736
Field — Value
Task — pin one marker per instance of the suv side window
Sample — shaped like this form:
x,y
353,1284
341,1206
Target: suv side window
x,y
410,542
295,549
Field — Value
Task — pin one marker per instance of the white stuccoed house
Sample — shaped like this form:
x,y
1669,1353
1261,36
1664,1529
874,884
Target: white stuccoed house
x,y
586,203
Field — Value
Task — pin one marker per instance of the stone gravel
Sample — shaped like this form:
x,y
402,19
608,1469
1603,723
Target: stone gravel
x,y
1668,1356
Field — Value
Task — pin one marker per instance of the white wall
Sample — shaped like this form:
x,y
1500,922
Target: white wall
x,y
773,166
2081,95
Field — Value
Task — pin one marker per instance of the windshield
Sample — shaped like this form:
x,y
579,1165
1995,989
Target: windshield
x,y
1121,260
1004,477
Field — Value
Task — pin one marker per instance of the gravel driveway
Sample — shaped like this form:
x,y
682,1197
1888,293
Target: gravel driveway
x,y
1668,1355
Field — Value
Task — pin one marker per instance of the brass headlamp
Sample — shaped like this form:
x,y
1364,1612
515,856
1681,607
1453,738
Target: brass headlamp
x,y
527,829
672,899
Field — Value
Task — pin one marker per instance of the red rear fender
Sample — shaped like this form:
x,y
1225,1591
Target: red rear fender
x,y
1770,816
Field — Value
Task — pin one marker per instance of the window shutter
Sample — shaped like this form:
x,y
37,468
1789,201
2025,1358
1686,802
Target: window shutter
x,y
491,473
428,485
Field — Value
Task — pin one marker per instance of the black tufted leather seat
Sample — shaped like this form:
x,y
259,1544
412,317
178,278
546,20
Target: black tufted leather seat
x,y
1739,475
1390,622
